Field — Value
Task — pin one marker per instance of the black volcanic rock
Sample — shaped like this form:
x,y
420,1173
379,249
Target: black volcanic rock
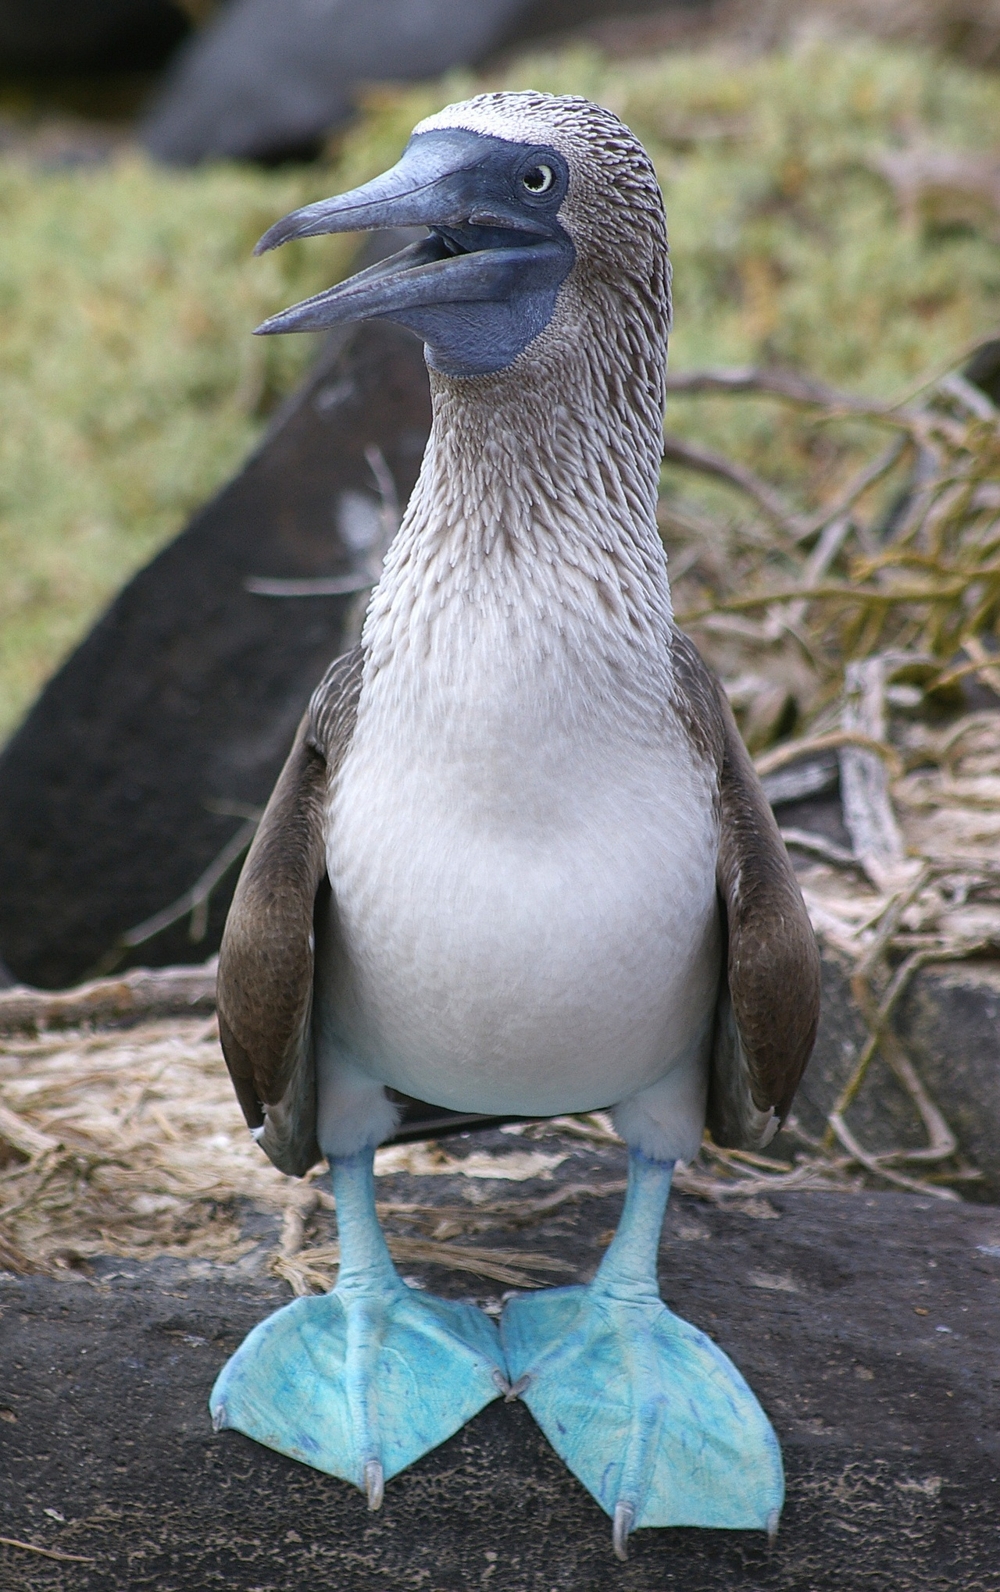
x,y
68,36
127,778
865,1323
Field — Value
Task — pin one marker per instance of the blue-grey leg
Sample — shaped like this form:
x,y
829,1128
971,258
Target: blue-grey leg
x,y
651,1416
361,1381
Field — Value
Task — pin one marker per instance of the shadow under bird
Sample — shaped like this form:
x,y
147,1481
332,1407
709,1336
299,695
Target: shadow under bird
x,y
518,860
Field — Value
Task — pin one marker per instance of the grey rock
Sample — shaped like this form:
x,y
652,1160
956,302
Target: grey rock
x,y
266,77
866,1324
983,369
949,1021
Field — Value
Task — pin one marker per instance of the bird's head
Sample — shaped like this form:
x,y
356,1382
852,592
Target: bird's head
x,y
545,222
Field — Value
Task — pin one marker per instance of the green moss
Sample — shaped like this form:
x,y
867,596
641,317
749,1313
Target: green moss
x,y
132,388
131,385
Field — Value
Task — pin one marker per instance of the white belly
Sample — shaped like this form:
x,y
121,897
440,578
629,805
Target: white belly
x,y
531,932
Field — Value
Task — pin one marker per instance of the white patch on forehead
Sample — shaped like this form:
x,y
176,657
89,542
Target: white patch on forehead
x,y
522,118
567,121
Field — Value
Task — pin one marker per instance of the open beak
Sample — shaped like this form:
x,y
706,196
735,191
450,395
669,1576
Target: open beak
x,y
480,244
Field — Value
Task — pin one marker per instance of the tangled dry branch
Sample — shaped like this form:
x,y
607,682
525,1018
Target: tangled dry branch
x,y
852,628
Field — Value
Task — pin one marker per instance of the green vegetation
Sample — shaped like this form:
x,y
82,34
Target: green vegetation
x,y
130,384
131,388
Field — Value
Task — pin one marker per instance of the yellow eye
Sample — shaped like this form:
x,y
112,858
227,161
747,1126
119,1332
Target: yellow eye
x,y
538,179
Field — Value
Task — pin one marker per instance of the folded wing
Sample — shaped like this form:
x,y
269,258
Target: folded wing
x,y
768,1008
268,953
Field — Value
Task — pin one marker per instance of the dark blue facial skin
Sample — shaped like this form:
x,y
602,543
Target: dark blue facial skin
x,y
483,285
480,338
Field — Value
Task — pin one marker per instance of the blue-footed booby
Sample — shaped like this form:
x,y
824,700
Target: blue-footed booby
x,y
518,860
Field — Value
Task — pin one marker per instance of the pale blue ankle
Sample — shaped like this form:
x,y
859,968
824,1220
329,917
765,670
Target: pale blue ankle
x,y
362,1381
647,1412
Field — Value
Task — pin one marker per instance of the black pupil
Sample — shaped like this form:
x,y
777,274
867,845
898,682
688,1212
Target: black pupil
x,y
537,179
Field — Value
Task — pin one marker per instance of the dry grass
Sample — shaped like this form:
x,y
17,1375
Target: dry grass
x,y
130,1143
139,1147
854,622
901,557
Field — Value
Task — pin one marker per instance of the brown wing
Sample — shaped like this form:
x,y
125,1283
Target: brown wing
x,y
768,1007
265,980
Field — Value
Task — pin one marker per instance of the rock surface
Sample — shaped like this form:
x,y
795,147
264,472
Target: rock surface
x,y
866,1323
949,1021
270,77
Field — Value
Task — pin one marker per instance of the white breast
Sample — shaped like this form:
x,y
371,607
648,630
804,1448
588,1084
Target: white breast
x,y
523,871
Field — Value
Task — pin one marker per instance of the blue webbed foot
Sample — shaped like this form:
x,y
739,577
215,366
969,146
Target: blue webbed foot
x,y
647,1412
362,1381
361,1387
650,1415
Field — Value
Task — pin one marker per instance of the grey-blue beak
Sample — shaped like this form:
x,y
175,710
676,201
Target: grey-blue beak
x,y
435,182
483,283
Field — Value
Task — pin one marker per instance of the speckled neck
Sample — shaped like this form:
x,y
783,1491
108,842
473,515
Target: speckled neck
x,y
537,493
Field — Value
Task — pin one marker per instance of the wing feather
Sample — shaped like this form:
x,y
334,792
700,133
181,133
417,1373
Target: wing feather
x,y
266,962
768,1008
